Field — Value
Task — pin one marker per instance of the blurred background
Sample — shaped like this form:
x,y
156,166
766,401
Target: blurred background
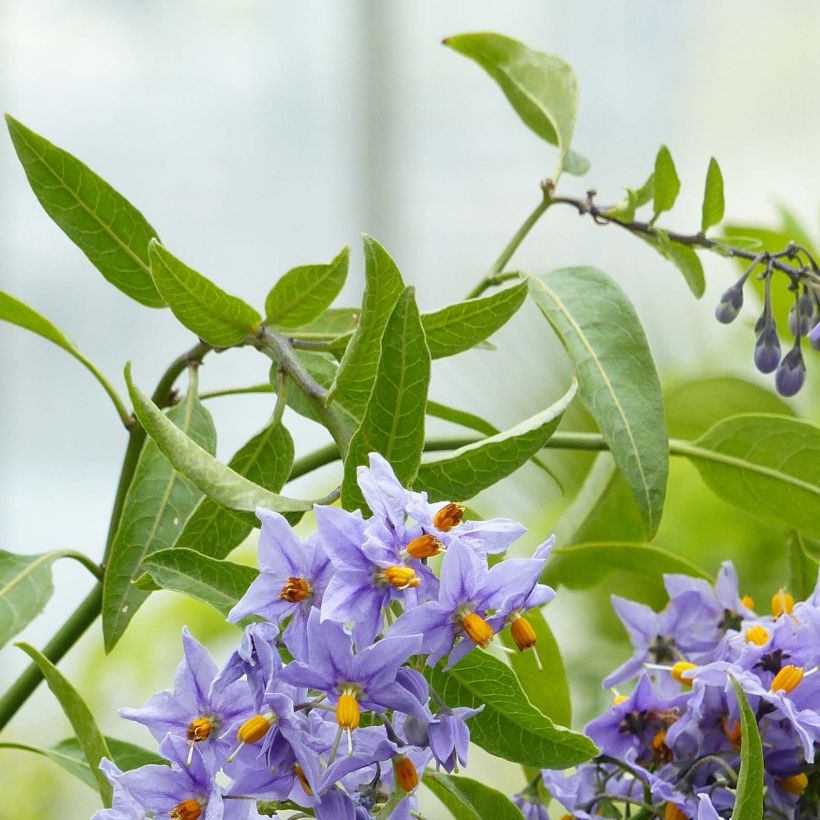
x,y
256,136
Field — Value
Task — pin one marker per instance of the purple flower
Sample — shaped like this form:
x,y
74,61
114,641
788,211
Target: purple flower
x,y
450,737
530,806
257,658
814,336
196,710
124,805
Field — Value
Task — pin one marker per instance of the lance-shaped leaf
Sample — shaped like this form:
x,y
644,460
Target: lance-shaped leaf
x,y
473,468
548,690
459,327
357,370
103,224
683,258
468,799
304,293
216,480
767,465
713,204
540,87
265,460
393,422
215,316
157,504
666,184
802,567
79,715
217,583
20,314
509,726
750,784
602,334
461,418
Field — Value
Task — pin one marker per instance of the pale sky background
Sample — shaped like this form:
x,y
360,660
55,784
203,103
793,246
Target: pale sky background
x,y
256,136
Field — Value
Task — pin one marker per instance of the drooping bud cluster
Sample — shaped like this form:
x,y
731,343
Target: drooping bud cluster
x,y
323,704
674,744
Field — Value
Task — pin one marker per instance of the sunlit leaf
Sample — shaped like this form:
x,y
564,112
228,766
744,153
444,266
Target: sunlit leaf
x,y
750,784
683,258
468,799
666,183
713,204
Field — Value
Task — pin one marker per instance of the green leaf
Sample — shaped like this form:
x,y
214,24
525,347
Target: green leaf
x,y
357,370
217,583
156,507
79,715
265,460
749,795
215,316
683,258
213,478
473,468
713,204
667,185
617,380
540,87
582,566
460,417
459,327
509,726
645,194
304,293
575,163
103,224
548,691
393,423
765,464
803,567
468,799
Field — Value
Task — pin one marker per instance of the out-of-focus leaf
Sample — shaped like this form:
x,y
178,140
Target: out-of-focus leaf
x,y
765,464
750,785
304,293
713,204
393,422
548,691
803,567
213,478
156,508
357,370
468,799
215,316
683,258
460,417
265,460
509,726
540,87
217,583
575,163
666,185
463,325
102,223
79,715
473,468
617,380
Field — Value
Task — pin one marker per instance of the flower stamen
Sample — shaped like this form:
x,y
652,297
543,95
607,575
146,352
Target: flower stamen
x,y
449,516
787,679
295,590
400,577
425,546
251,730
186,810
479,631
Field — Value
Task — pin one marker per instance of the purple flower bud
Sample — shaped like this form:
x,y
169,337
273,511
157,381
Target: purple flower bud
x,y
814,336
798,321
791,374
416,731
730,303
767,350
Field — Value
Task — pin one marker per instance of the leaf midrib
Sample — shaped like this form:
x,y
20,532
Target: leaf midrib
x,y
30,568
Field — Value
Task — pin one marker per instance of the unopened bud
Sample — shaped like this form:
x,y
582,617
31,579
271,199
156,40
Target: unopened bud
x,y
767,349
791,374
798,321
730,303
416,731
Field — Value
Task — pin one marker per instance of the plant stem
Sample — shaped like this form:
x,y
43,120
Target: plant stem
x,y
236,391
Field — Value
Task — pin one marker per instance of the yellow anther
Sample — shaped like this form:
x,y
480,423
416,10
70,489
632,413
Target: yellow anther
x,y
300,776
522,633
787,679
672,812
295,590
449,516
782,603
796,784
478,629
186,810
619,699
199,729
425,546
406,774
659,740
679,668
347,710
748,602
733,734
401,577
757,635
255,728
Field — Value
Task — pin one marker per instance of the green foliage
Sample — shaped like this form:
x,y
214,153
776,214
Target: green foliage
x,y
103,224
217,583
603,336
540,87
158,503
216,317
666,183
393,422
803,567
684,259
749,796
713,204
303,294
468,799
474,467
79,715
767,465
509,726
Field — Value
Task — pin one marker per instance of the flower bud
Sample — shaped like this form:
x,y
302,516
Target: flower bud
x,y
416,731
798,321
791,374
814,336
730,303
767,349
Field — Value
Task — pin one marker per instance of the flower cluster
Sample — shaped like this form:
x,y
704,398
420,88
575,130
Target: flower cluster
x,y
672,746
324,705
